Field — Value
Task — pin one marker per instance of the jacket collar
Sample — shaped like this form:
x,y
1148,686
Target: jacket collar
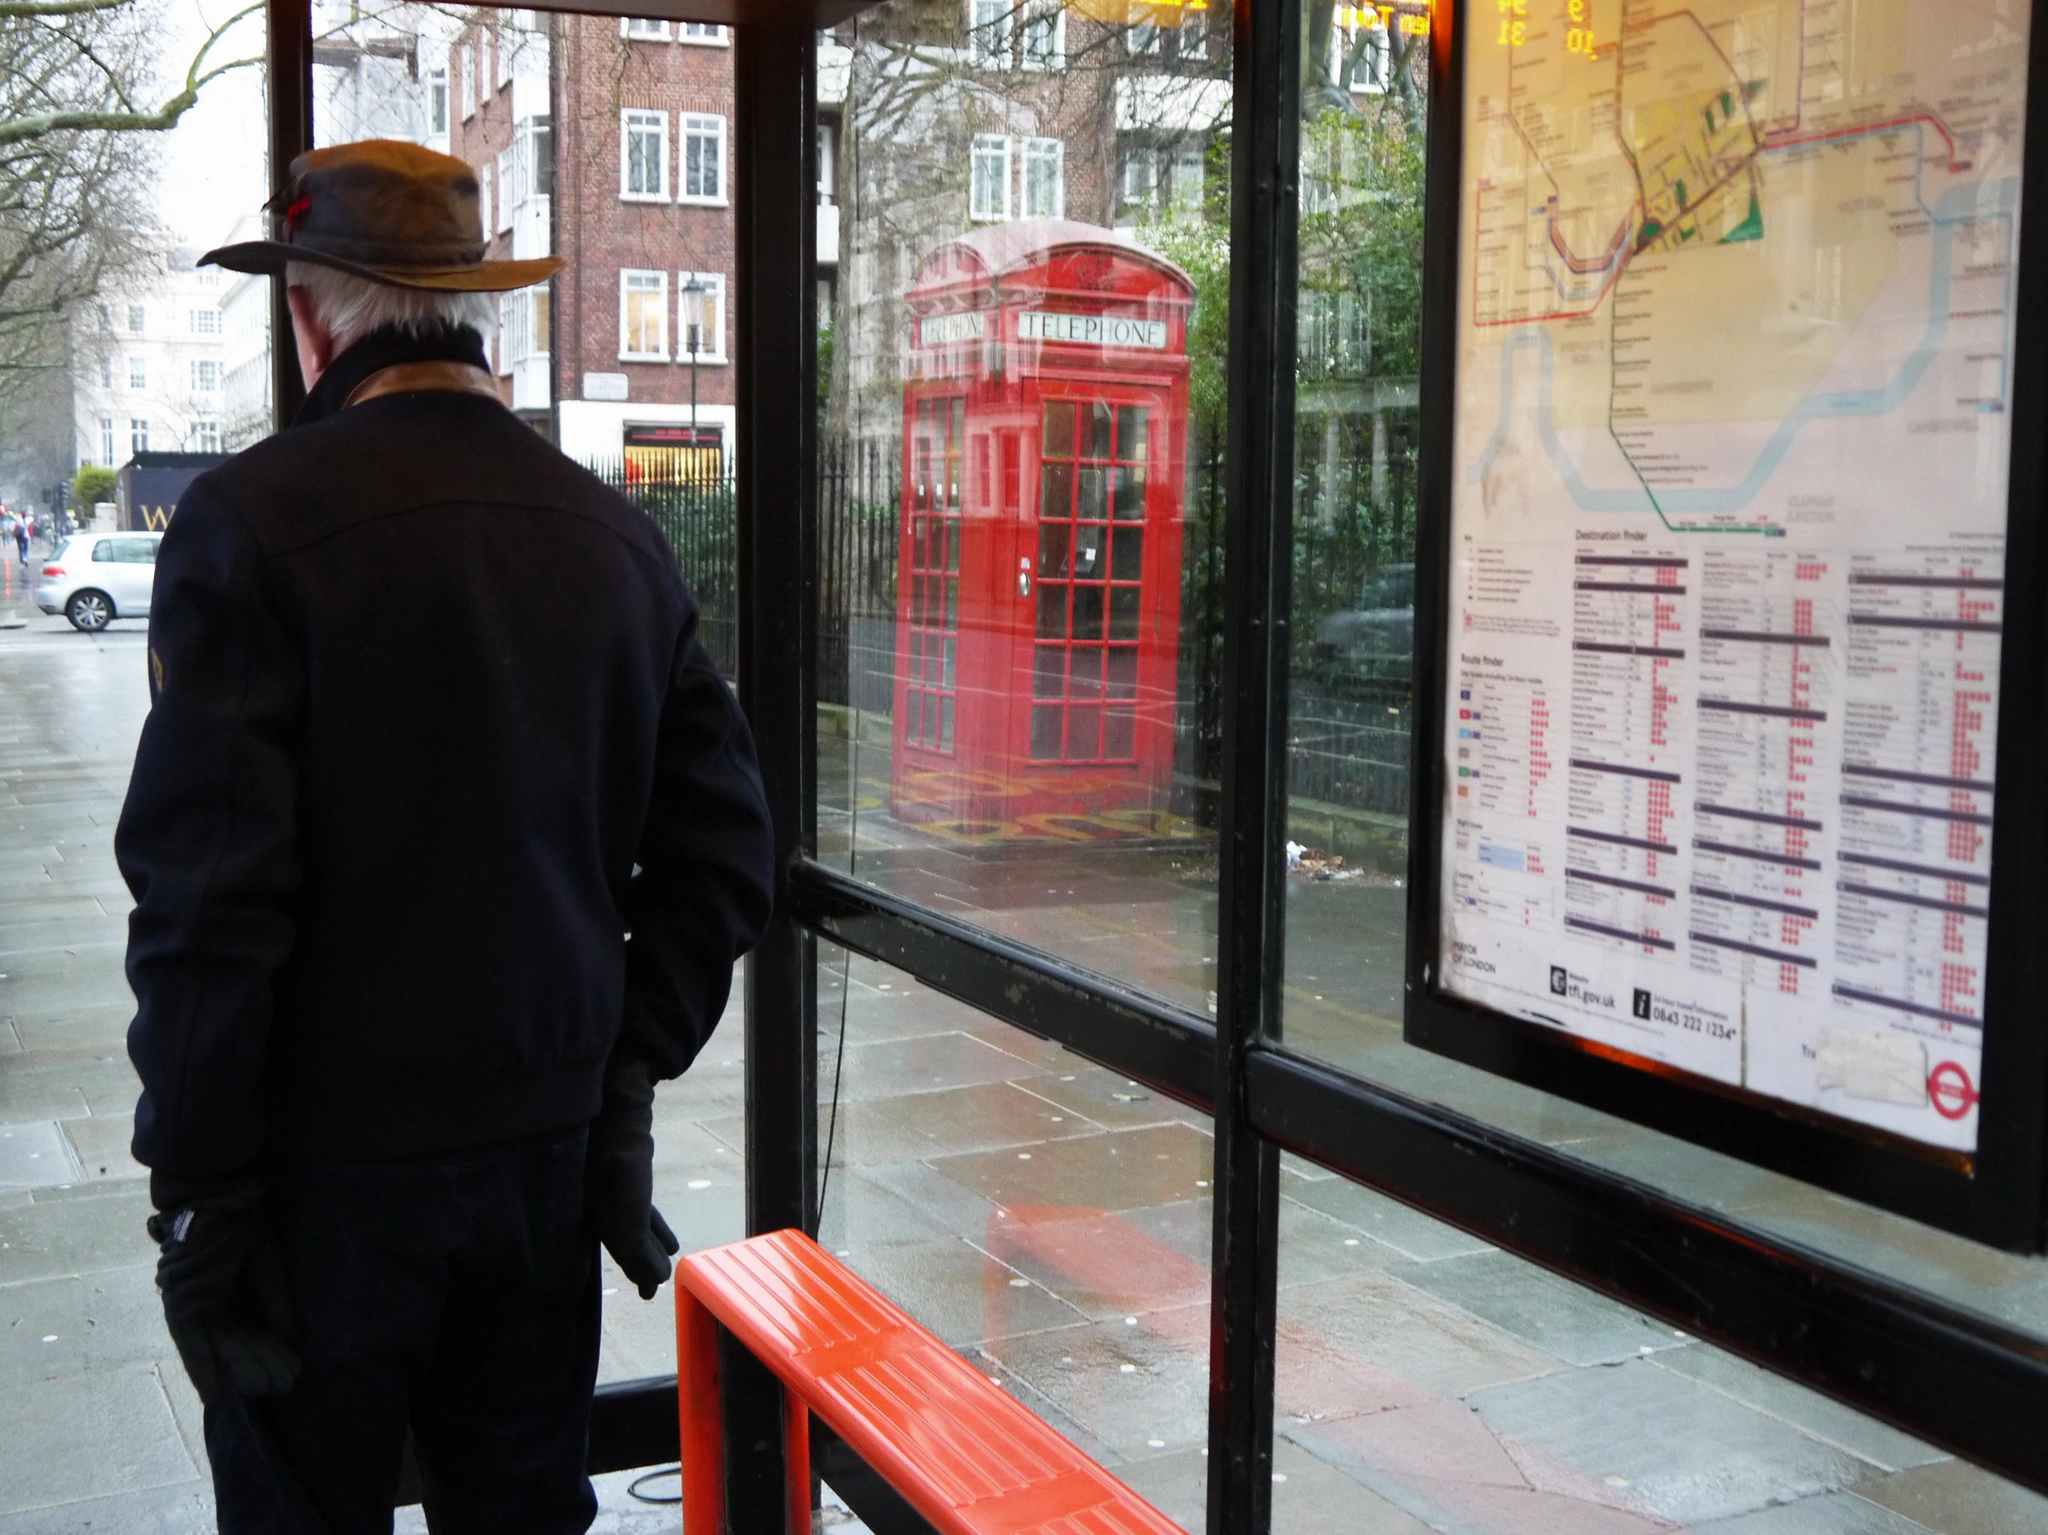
x,y
380,349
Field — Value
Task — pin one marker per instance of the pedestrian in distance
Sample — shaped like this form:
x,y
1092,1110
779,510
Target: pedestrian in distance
x,y
442,857
21,538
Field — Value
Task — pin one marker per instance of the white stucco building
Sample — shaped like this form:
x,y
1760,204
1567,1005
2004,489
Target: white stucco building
x,y
148,367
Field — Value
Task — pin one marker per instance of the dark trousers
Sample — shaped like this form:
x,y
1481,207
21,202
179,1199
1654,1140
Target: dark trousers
x,y
457,1295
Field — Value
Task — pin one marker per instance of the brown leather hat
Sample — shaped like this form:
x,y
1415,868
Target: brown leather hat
x,y
388,211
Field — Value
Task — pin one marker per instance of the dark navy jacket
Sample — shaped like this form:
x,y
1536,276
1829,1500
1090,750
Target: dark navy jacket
x,y
431,733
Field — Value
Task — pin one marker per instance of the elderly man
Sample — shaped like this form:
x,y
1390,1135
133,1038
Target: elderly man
x,y
442,855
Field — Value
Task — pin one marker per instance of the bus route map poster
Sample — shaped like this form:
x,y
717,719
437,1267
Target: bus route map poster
x,y
1727,536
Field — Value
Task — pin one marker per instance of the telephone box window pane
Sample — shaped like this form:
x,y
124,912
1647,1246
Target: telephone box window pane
x,y
1052,611
1130,494
945,724
953,605
1052,550
914,703
1045,733
981,473
1047,673
1087,673
1087,546
947,681
1087,612
1084,734
1098,431
1123,671
1059,429
1123,612
1130,433
1094,492
1117,734
953,546
1056,491
1127,554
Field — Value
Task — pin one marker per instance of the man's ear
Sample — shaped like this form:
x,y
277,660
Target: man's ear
x,y
316,342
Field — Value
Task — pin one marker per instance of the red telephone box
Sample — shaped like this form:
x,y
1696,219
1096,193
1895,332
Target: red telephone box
x,y
1038,602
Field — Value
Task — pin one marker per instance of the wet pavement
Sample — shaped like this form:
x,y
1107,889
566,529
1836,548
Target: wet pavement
x,y
1045,1216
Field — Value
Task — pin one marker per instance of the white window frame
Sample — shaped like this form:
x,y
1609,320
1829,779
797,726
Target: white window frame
x,y
1036,155
643,121
714,329
138,319
138,434
505,42
138,372
107,441
483,196
437,100
639,280
1038,18
988,148
992,32
643,29
704,34
106,371
1138,177
696,128
466,79
206,436
1143,40
203,369
204,322
1190,171
506,191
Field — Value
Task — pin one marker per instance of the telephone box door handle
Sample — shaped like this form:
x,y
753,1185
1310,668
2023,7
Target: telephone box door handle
x,y
1024,576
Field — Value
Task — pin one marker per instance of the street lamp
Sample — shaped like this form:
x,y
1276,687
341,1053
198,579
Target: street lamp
x,y
693,334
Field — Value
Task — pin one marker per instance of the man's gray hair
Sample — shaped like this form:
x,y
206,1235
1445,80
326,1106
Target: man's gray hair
x,y
351,307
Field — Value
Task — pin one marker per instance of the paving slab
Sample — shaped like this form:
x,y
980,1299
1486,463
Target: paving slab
x,y
36,1155
1684,1451
1108,1097
1575,1324
1115,1170
1954,1497
1128,1384
86,1436
1406,1230
185,1509
943,1122
1831,1513
958,1292
1407,1333
52,1328
54,1236
891,1067
1862,1436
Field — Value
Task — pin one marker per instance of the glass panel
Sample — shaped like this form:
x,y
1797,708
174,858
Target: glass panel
x,y
1096,420
1123,612
1128,556
1052,550
1123,671
1051,671
1046,1218
1130,495
1087,612
1424,1380
1059,429
1045,732
1353,600
1056,491
1130,433
1095,429
1094,497
1087,672
1052,610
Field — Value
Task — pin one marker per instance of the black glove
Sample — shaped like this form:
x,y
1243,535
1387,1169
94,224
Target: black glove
x,y
227,1300
618,1180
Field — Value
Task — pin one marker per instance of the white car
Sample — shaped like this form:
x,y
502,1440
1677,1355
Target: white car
x,y
96,578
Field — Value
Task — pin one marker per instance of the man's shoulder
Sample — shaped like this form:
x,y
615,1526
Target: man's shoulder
x,y
369,464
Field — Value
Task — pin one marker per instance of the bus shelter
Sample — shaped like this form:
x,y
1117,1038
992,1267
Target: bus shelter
x,y
1580,1115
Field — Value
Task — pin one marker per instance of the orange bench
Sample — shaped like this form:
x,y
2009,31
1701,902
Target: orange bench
x,y
970,1459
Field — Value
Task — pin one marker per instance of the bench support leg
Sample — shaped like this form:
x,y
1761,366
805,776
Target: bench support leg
x,y
796,1456
703,1437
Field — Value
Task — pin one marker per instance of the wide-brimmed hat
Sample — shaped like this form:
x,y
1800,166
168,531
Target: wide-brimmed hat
x,y
391,212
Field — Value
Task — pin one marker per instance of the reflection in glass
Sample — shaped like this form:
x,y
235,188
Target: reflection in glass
x,y
1022,429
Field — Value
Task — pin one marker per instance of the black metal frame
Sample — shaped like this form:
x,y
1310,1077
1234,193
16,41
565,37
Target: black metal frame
x,y
1995,1197
1883,1348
